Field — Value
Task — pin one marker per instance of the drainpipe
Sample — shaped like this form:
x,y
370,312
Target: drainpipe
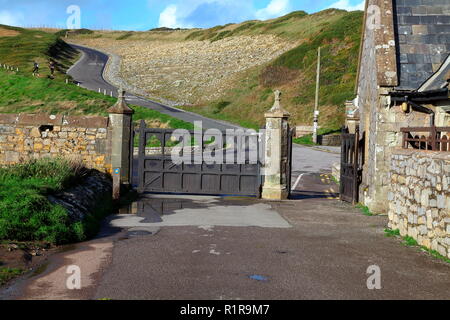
x,y
421,108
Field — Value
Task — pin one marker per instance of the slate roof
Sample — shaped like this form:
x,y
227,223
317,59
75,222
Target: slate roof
x,y
423,30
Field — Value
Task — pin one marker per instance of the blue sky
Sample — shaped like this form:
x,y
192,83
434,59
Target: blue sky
x,y
147,14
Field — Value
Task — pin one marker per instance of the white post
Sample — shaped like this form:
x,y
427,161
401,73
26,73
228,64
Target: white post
x,y
316,105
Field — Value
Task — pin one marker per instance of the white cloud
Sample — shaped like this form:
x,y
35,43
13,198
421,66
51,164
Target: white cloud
x,y
168,18
10,19
274,9
345,5
209,13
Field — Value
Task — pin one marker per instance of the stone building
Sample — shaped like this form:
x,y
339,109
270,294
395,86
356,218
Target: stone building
x,y
403,79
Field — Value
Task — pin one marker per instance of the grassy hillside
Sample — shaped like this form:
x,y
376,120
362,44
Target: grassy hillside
x,y
294,72
21,47
21,92
249,95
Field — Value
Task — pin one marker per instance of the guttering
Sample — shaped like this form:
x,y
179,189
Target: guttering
x,y
429,96
416,99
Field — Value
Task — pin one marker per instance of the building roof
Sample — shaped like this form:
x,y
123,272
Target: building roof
x,y
423,31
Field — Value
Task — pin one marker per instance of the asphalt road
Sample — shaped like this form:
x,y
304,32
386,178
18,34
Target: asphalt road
x,y
309,248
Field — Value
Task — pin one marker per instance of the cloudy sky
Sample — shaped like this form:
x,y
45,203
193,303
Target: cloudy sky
x,y
147,14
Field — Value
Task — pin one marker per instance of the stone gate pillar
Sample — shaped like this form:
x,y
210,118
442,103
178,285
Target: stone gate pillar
x,y
276,153
120,116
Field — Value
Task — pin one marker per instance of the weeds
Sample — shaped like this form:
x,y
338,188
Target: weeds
x,y
7,274
365,210
411,242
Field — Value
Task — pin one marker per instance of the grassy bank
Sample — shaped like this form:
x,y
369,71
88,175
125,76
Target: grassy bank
x,y
21,47
20,92
26,214
336,32
308,139
23,94
7,274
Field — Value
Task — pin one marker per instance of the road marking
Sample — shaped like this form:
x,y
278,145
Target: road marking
x,y
297,182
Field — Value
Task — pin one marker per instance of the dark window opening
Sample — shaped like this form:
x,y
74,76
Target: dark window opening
x,y
45,128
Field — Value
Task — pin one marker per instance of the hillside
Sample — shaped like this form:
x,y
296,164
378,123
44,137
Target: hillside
x,y
229,72
21,92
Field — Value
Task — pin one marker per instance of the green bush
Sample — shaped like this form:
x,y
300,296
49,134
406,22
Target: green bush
x,y
26,214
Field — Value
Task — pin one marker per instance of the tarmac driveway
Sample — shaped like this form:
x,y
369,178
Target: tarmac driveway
x,y
313,247
324,253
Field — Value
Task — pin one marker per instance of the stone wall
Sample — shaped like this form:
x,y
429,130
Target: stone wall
x,y
419,197
25,136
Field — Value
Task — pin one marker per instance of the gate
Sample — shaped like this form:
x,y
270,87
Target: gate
x,y
197,174
350,166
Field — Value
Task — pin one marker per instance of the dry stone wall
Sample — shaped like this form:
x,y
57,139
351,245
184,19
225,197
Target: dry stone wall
x,y
26,136
419,197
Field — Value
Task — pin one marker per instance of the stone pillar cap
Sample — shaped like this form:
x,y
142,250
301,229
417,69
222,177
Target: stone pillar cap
x,y
277,111
121,106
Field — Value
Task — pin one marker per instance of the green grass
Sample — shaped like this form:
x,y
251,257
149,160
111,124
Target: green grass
x,y
308,139
337,32
212,111
365,210
141,113
391,233
411,242
20,92
7,274
31,45
26,214
24,94
305,140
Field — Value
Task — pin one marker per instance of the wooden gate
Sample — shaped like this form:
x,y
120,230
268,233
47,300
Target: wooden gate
x,y
350,166
158,173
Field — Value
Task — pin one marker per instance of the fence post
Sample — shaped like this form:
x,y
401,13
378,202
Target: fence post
x,y
276,153
433,138
120,116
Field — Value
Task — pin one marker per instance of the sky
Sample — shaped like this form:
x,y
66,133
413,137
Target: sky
x,y
143,15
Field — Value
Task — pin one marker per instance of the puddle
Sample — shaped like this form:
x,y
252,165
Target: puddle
x,y
39,270
258,277
138,233
205,212
67,248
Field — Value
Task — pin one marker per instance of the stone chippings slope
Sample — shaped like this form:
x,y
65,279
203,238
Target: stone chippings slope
x,y
191,71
